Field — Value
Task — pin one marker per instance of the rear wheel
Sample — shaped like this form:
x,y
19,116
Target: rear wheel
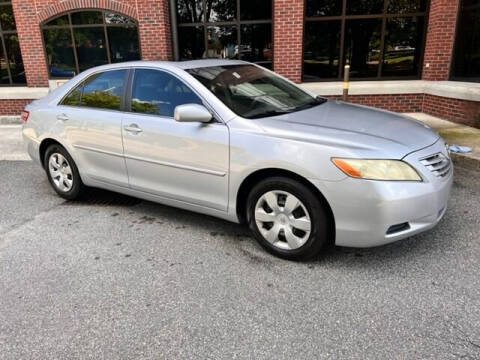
x,y
62,172
287,218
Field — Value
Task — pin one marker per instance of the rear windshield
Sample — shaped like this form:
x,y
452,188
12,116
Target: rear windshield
x,y
252,92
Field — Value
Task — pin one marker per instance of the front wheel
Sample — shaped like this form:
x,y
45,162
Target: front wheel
x,y
287,218
62,173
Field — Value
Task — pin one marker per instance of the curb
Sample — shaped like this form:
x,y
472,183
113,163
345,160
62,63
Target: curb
x,y
465,161
10,120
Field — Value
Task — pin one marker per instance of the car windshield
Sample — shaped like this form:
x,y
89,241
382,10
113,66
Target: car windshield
x,y
252,92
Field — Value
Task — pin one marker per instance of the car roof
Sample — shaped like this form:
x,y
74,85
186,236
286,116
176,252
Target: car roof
x,y
183,65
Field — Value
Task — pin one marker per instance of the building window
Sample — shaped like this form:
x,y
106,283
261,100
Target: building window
x,y
80,40
226,29
466,58
11,64
379,39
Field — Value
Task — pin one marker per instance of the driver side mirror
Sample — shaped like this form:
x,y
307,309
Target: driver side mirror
x,y
192,113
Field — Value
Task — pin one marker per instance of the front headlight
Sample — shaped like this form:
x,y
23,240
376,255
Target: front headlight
x,y
377,169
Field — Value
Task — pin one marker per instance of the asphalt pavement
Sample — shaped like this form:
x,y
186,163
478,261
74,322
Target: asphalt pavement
x,y
117,278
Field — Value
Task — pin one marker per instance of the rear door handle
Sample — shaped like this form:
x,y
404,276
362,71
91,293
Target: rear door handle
x,y
62,117
133,128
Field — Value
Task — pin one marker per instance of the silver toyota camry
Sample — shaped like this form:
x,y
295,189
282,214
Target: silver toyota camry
x,y
236,141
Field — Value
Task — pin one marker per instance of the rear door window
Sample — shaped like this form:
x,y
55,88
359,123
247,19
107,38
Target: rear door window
x,y
157,92
104,90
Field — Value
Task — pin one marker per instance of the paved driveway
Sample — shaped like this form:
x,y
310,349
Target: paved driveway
x,y
113,277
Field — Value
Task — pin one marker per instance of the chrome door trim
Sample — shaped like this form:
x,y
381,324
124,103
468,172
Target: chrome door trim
x,y
88,148
178,166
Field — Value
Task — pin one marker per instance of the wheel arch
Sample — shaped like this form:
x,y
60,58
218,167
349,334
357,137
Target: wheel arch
x,y
252,179
44,145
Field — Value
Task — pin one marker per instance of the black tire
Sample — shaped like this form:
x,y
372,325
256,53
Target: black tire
x,y
319,218
78,188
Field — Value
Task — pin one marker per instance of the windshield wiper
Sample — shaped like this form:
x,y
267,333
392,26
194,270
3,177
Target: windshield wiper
x,y
315,102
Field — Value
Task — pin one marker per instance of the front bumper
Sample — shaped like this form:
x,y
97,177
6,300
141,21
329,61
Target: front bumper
x,y
366,211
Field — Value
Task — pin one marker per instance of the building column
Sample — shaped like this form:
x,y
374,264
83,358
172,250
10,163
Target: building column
x,y
288,38
440,39
30,39
154,29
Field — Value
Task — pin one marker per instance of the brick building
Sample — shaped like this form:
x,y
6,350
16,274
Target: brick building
x,y
405,55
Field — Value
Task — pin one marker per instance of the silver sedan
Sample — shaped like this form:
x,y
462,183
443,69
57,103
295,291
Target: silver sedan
x,y
236,141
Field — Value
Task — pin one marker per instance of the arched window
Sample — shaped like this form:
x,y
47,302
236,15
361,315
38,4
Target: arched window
x,y
11,64
80,40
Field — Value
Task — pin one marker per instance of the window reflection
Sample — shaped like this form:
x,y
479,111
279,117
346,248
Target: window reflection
x,y
466,57
190,11
124,44
362,46
360,7
220,10
157,92
255,10
356,28
91,49
191,42
216,31
402,44
405,7
324,8
11,63
104,90
222,42
322,48
89,46
59,48
256,43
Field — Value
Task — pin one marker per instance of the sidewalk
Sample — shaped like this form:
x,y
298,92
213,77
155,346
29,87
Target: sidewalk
x,y
456,134
11,143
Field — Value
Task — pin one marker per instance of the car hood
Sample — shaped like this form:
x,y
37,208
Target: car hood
x,y
360,129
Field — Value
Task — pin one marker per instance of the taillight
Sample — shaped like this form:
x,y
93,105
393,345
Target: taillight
x,y
25,115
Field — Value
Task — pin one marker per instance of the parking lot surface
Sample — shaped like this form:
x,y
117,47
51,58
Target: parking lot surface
x,y
118,278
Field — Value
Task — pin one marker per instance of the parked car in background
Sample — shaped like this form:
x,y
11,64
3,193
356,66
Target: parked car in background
x,y
236,141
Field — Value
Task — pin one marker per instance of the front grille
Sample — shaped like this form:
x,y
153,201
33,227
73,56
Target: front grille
x,y
438,164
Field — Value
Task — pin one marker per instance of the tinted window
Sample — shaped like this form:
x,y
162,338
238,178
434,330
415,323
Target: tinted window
x,y
221,10
75,96
377,38
466,57
104,90
323,8
11,63
97,37
157,92
227,29
255,10
322,49
403,42
362,46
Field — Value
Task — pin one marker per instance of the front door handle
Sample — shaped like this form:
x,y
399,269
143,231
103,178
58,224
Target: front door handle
x,y
62,117
132,128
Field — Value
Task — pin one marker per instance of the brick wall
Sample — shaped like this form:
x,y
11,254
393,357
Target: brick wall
x,y
13,107
152,16
288,38
461,111
397,103
440,39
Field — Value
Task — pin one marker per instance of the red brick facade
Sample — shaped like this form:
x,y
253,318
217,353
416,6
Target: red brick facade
x,y
288,38
153,24
13,106
440,38
461,111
